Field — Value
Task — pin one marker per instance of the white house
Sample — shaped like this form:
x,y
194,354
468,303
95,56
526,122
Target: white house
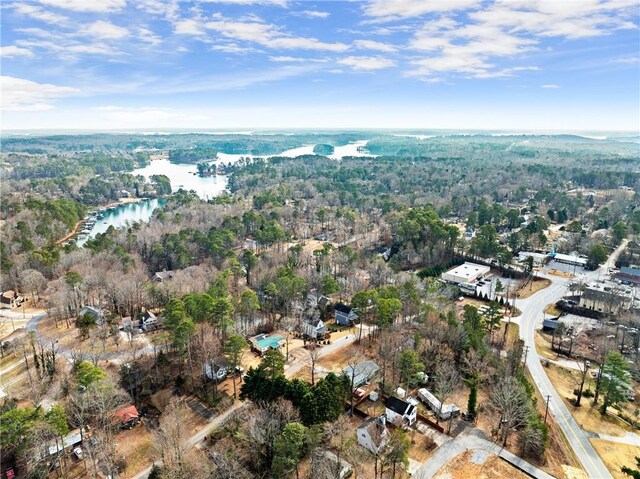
x,y
313,327
373,434
445,412
400,412
465,273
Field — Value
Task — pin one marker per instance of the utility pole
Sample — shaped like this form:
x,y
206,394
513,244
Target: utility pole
x,y
526,352
546,409
584,375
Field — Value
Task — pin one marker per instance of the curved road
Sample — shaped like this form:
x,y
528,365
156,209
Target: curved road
x,y
532,314
473,441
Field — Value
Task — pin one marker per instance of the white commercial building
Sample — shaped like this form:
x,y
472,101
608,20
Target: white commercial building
x,y
465,273
539,259
569,259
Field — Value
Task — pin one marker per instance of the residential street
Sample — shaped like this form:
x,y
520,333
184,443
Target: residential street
x,y
532,314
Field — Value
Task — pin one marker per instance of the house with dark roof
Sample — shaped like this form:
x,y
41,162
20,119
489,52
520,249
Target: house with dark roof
x,y
361,373
607,302
628,275
373,434
344,315
400,412
11,298
316,300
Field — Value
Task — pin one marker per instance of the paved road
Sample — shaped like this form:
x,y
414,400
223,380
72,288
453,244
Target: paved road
x,y
466,442
532,314
68,353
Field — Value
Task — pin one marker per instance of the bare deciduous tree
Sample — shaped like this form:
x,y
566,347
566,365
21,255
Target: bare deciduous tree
x,y
510,399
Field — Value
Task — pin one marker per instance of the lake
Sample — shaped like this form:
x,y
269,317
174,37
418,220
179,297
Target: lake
x,y
182,176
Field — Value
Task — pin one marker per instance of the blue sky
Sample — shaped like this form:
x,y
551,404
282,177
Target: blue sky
x,y
242,64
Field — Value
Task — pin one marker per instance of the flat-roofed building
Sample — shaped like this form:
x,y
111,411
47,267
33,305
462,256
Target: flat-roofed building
x,y
465,273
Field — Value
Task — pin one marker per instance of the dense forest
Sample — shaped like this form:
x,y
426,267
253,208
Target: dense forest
x,y
373,232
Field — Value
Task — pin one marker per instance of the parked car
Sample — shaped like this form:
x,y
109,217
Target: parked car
x,y
79,453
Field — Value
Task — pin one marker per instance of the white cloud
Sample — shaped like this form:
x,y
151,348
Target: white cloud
x,y
148,36
509,29
166,8
269,36
69,49
98,6
373,45
232,47
287,59
281,3
14,51
627,60
19,94
38,13
413,8
367,63
550,85
312,14
105,30
188,27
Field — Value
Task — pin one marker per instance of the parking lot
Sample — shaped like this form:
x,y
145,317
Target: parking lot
x,y
488,285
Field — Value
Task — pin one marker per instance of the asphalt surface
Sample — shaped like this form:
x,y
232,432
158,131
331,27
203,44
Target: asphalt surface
x,y
463,443
532,314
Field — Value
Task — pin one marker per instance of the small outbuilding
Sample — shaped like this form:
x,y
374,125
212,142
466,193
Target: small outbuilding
x,y
443,411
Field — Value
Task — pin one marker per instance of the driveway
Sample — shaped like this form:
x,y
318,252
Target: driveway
x,y
473,441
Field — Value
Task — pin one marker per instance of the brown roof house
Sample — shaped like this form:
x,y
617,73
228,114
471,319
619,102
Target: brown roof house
x,y
11,299
127,417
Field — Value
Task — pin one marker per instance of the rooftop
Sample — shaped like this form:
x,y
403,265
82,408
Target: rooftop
x,y
399,406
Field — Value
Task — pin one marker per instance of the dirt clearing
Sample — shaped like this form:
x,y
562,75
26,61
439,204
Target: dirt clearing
x,y
478,465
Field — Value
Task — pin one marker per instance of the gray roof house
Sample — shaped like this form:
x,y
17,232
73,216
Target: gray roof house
x,y
326,465
97,314
316,300
161,276
345,315
361,373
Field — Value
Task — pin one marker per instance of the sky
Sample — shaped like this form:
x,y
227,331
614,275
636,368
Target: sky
x,y
241,64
